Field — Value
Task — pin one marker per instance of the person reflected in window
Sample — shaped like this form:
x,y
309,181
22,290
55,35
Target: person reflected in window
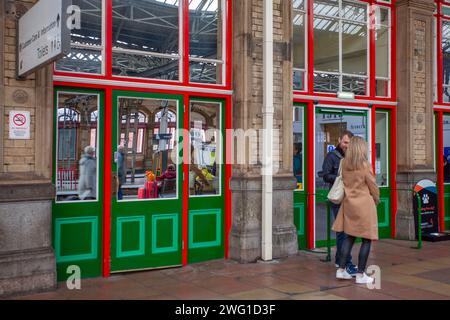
x,y
446,170
121,172
298,162
87,186
169,174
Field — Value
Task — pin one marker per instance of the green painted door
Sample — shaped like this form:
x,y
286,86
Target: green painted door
x,y
146,219
206,231
382,171
78,175
299,167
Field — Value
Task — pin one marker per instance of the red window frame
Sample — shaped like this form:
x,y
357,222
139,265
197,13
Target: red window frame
x,y
184,51
392,95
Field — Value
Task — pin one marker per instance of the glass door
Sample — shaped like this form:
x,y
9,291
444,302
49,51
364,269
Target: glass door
x,y
382,171
77,207
206,225
330,123
299,169
146,230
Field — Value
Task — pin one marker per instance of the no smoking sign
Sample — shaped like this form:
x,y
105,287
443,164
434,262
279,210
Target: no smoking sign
x,y
19,125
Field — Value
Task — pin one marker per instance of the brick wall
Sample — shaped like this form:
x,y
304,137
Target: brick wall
x,y
282,77
419,88
17,155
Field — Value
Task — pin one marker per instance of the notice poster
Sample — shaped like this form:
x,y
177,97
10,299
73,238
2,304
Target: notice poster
x,y
19,125
430,217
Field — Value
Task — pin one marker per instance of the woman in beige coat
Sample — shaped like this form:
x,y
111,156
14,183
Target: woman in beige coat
x,y
357,216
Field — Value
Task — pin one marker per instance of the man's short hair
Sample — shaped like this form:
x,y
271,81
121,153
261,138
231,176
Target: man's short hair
x,y
347,133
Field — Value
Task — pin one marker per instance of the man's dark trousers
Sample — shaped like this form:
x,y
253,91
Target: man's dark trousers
x,y
340,236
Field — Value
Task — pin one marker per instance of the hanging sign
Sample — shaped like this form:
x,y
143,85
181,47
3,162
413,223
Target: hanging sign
x,y
19,125
43,35
430,217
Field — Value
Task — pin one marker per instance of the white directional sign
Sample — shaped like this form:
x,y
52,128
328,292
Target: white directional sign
x,y
43,35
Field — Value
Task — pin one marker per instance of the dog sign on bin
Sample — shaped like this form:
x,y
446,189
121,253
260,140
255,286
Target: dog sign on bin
x,y
430,216
19,125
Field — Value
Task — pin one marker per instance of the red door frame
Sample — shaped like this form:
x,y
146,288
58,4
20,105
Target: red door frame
x,y
440,165
310,191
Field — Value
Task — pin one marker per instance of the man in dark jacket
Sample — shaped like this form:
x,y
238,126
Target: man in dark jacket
x,y
330,171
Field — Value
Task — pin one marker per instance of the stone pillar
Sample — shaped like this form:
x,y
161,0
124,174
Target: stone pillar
x,y
246,183
415,110
27,262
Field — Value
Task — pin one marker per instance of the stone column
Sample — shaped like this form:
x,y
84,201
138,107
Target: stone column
x,y
246,183
415,110
27,262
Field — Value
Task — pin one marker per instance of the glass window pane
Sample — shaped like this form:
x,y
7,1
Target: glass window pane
x,y
298,147
146,39
206,149
381,149
382,16
205,30
446,52
329,127
86,43
299,80
354,84
145,167
446,119
354,48
145,66
326,82
354,11
299,4
328,8
326,44
382,51
299,40
204,72
382,88
76,176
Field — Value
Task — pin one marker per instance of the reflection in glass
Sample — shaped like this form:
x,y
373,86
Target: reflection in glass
x,y
146,141
354,48
324,82
206,146
298,147
381,149
204,72
326,44
77,139
329,127
446,59
205,41
357,85
299,22
146,39
86,43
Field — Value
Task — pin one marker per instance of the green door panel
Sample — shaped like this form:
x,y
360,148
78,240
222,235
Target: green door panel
x,y
77,225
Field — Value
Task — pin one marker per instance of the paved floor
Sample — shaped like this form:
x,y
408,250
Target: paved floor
x,y
406,273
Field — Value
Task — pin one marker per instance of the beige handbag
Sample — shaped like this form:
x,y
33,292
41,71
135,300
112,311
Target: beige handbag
x,y
336,194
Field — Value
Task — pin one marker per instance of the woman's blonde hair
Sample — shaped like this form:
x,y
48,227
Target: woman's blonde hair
x,y
356,155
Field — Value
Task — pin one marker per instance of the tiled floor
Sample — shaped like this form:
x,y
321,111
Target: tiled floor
x,y
406,273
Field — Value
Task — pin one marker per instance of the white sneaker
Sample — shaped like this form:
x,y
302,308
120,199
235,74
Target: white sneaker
x,y
343,275
364,279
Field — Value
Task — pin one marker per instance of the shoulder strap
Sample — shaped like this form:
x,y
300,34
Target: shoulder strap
x,y
338,154
340,168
